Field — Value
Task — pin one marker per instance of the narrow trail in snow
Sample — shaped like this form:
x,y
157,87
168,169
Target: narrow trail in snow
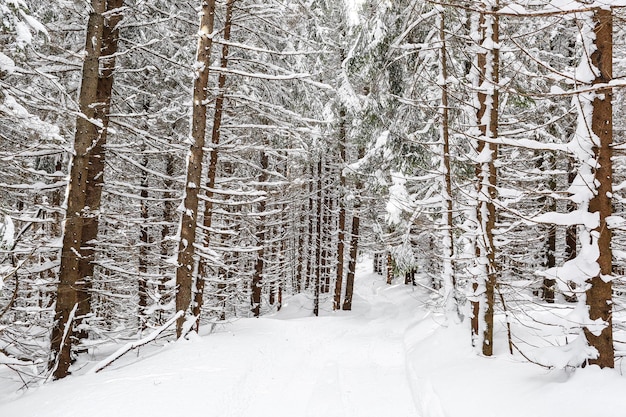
x,y
348,364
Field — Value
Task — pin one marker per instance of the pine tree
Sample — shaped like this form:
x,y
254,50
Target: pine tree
x,y
86,170
189,219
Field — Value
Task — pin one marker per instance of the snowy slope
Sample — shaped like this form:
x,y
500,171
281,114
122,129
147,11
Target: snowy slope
x,y
386,358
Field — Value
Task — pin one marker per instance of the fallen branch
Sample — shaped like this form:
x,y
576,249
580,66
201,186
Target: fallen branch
x,y
134,345
530,360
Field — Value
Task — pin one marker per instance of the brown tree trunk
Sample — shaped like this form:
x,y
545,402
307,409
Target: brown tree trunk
x,y
354,242
318,241
142,282
550,243
354,250
301,257
341,235
95,172
70,292
309,265
486,184
166,250
326,238
449,280
188,223
389,268
599,294
212,171
257,277
571,236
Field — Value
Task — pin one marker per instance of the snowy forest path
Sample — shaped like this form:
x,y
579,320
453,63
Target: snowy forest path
x,y
287,364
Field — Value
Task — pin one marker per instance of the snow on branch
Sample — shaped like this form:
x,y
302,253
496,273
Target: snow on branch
x,y
273,77
134,345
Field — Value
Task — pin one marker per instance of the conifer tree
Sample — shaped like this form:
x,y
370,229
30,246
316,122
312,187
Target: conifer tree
x,y
189,219
86,171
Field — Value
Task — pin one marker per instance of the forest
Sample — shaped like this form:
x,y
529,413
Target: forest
x,y
172,166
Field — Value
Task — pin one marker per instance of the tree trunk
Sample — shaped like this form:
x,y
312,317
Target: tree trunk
x,y
318,241
301,257
95,171
169,210
487,118
571,235
257,277
142,282
188,222
341,235
70,291
212,171
309,266
389,268
354,241
550,243
326,236
599,294
447,239
354,250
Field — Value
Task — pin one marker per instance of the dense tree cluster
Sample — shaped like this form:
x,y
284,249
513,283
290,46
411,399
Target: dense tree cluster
x,y
185,163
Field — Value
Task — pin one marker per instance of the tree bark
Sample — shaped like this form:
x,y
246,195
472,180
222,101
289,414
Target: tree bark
x,y
71,292
449,281
341,235
142,282
487,118
549,261
389,268
310,260
571,234
354,241
599,294
188,222
326,236
301,257
318,241
213,159
257,277
169,213
95,171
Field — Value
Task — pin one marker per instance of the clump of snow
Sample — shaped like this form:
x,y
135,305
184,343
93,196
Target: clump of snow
x,y
7,65
399,199
7,231
24,37
11,104
576,5
352,11
589,220
379,148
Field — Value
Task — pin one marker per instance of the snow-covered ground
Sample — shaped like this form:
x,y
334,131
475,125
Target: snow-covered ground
x,y
389,357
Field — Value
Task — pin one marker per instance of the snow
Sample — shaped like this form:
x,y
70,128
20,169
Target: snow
x,y
7,231
7,65
514,9
352,11
390,356
34,23
399,199
11,104
590,220
23,35
580,269
572,5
